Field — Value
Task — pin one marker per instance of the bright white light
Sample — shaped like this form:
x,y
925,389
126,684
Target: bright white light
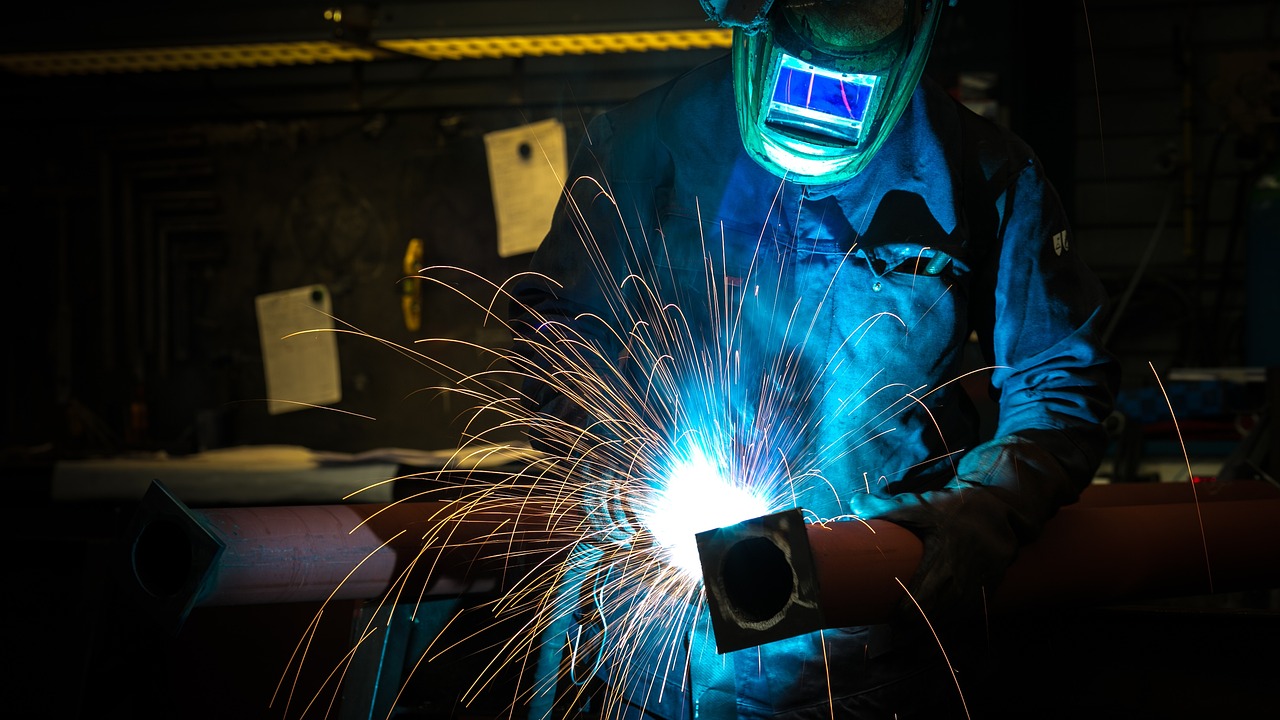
x,y
696,496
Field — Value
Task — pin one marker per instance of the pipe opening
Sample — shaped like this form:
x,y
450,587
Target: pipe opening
x,y
757,580
162,557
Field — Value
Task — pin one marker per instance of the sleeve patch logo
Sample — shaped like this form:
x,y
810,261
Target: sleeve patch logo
x,y
1060,244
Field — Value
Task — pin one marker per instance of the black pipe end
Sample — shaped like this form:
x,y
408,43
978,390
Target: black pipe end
x,y
760,581
170,557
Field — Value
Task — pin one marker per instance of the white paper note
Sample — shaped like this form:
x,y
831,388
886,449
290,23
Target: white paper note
x,y
301,366
526,175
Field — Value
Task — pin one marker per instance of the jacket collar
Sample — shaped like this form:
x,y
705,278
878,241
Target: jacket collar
x,y
913,160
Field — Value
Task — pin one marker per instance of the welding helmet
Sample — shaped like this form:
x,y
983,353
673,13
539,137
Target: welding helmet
x,y
819,84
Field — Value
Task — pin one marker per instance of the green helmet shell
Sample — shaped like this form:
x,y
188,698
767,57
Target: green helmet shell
x,y
821,85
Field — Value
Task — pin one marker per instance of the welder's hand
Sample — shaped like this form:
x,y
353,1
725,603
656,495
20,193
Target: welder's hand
x,y
972,528
588,456
967,538
606,504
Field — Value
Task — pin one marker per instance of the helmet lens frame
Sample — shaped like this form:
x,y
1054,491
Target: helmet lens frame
x,y
819,105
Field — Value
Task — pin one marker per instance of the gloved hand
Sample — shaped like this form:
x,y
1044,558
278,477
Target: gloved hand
x,y
605,502
972,528
968,543
588,458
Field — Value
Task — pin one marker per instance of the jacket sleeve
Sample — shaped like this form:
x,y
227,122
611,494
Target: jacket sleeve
x,y
1038,312
570,316
563,313
1042,326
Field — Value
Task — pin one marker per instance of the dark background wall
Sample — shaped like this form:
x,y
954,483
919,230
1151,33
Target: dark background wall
x,y
147,210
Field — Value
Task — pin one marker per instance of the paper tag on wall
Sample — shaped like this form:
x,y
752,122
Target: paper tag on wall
x,y
301,367
527,165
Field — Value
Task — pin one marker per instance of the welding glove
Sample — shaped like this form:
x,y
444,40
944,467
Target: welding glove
x,y
592,460
606,502
1004,492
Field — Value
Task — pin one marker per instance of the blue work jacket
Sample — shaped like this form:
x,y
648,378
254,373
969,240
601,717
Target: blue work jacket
x,y
820,330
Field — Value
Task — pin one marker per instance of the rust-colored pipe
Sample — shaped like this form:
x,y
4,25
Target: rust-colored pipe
x,y
181,558
766,580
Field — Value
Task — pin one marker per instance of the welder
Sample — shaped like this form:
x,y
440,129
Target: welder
x,y
860,222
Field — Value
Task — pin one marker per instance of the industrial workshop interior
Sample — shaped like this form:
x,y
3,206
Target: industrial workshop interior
x,y
260,257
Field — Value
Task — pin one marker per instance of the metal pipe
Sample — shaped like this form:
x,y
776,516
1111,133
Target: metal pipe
x,y
765,581
179,558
